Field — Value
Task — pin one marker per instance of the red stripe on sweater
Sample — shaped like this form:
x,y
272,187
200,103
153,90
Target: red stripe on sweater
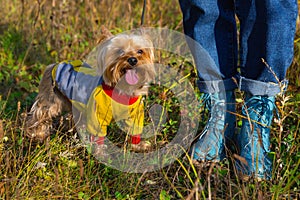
x,y
135,139
116,96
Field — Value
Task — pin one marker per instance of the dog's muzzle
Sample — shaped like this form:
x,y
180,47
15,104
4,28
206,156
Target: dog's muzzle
x,y
132,61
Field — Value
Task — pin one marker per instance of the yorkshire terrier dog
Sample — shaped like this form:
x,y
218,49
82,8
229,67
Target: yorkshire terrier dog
x,y
111,90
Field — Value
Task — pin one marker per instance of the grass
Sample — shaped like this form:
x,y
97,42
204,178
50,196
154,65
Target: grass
x,y
34,34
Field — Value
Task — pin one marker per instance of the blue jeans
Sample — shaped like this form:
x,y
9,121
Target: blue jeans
x,y
267,29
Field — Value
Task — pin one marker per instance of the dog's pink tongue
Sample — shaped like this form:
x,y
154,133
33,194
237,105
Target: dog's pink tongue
x,y
131,77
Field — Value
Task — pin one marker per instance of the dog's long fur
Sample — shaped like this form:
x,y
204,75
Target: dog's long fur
x,y
113,55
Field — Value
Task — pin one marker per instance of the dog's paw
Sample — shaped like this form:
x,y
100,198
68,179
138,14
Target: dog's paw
x,y
99,150
143,146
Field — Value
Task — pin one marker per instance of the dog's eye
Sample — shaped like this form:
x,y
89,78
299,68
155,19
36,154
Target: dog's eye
x,y
140,51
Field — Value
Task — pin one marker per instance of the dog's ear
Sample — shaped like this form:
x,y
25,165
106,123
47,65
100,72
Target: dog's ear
x,y
105,34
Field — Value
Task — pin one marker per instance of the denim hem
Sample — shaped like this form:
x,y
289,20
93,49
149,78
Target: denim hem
x,y
217,85
261,88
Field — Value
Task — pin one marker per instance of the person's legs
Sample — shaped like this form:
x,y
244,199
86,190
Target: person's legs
x,y
267,32
211,25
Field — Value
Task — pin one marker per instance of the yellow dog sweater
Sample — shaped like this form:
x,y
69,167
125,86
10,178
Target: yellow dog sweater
x,y
99,103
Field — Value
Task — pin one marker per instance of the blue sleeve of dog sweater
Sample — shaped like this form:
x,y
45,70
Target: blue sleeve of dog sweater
x,y
76,80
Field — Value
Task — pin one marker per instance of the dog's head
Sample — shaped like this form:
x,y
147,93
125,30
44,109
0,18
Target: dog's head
x,y
126,62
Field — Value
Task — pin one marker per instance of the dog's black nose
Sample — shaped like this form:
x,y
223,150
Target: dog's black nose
x,y
132,61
